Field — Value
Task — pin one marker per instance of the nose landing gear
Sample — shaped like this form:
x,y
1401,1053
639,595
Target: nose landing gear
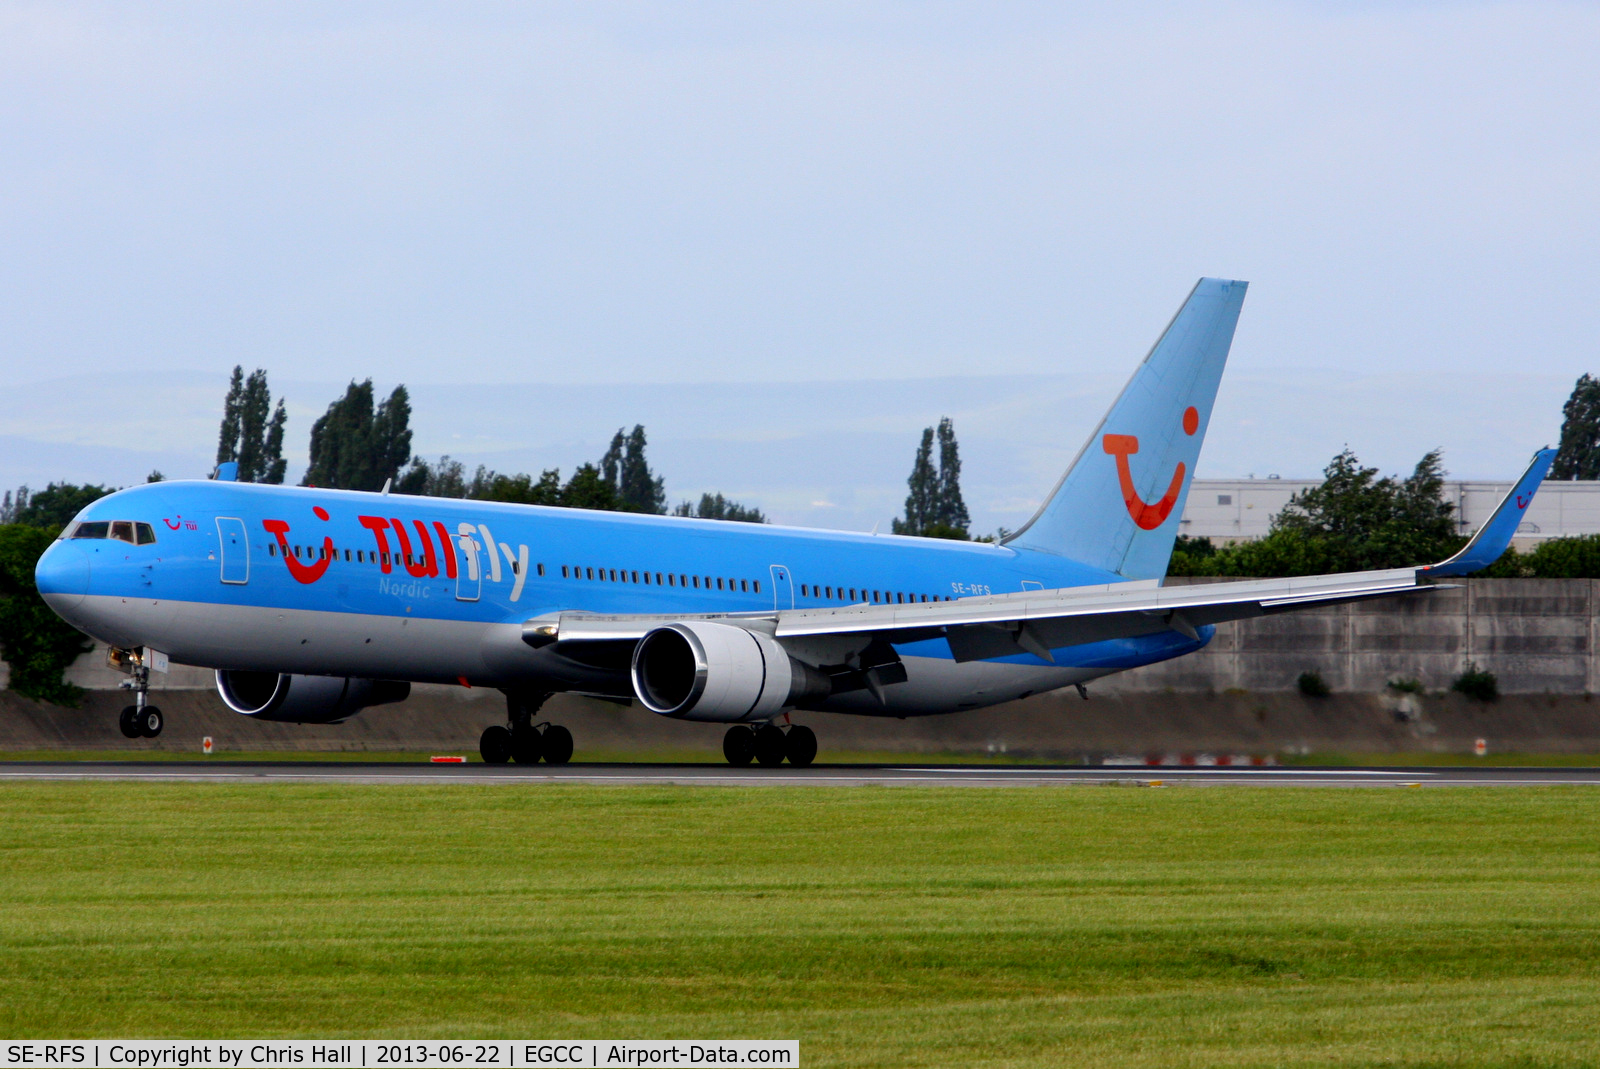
x,y
770,745
523,741
141,719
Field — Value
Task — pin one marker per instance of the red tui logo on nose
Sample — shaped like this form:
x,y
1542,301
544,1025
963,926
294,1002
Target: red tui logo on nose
x,y
1122,446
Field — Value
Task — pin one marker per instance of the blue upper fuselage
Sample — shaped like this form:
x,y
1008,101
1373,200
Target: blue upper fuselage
x,y
300,548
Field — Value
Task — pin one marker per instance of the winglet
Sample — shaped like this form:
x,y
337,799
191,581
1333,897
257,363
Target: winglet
x,y
1495,535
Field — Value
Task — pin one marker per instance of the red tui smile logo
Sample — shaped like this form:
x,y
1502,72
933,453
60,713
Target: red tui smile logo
x,y
1122,446
305,573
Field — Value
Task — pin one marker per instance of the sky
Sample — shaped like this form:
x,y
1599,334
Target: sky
x,y
617,195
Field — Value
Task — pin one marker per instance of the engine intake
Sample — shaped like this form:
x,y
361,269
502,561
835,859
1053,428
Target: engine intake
x,y
305,699
717,672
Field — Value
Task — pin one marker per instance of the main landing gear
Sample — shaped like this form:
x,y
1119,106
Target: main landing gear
x,y
141,719
769,745
523,741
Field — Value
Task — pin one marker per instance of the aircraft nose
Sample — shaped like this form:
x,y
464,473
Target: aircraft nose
x,y
62,575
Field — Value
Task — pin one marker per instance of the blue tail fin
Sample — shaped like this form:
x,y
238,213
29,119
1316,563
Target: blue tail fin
x,y
1118,505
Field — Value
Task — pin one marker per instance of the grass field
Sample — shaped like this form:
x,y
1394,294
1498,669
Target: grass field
x,y
879,926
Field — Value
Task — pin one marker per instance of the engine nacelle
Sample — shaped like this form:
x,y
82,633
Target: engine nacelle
x,y
304,699
703,671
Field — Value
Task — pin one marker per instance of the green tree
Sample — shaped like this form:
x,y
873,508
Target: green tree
x,y
625,469
37,644
523,489
1579,454
934,506
589,489
52,507
447,478
356,446
717,507
1353,521
952,509
250,436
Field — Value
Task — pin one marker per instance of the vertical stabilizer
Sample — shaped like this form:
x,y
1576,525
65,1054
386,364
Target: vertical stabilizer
x,y
1118,505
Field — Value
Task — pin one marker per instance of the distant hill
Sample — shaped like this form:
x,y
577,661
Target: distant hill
x,y
822,454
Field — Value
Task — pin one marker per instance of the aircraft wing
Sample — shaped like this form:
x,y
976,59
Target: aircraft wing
x,y
1037,621
1032,622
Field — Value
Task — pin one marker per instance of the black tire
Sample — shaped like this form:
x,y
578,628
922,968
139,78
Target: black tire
x,y
557,745
769,745
129,722
800,746
526,746
151,722
494,745
739,745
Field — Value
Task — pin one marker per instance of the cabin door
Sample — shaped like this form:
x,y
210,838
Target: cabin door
x,y
782,588
469,577
234,550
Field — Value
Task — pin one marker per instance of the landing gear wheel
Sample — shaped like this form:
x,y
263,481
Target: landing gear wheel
x,y
557,743
769,745
526,746
151,722
494,745
129,722
739,745
800,746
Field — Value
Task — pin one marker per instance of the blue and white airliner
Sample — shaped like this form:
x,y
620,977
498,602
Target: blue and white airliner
x,y
313,604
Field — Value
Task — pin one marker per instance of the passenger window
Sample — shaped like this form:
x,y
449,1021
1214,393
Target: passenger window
x,y
591,572
635,577
272,550
757,585
719,582
874,597
743,587
669,579
563,571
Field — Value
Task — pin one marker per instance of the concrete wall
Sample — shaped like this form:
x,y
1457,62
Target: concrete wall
x,y
1537,635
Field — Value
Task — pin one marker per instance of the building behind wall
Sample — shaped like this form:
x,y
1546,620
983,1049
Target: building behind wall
x,y
1241,510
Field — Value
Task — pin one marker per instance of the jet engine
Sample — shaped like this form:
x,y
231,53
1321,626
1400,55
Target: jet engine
x,y
717,672
304,699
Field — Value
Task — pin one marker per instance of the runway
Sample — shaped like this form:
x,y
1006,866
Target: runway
x,y
899,775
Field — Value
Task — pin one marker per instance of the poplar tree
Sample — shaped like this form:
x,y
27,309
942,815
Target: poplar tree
x,y
952,510
1579,454
625,470
934,505
358,446
249,436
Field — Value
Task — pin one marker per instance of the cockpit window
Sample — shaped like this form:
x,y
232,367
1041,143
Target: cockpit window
x,y
138,534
